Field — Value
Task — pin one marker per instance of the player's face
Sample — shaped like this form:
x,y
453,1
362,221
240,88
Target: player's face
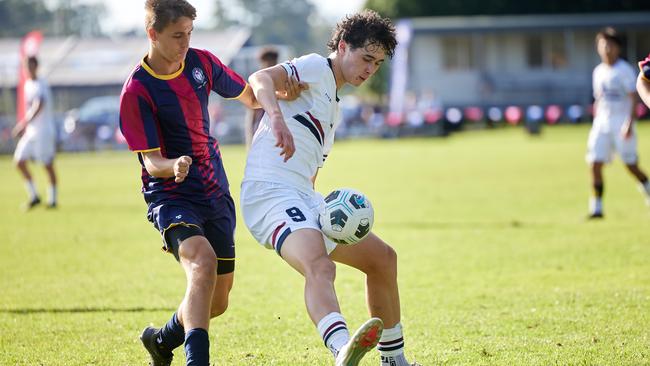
x,y
607,50
174,40
359,64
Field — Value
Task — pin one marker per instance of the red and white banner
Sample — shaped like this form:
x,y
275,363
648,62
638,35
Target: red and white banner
x,y
29,46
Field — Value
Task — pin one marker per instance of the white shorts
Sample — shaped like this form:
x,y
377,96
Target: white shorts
x,y
272,211
602,145
38,147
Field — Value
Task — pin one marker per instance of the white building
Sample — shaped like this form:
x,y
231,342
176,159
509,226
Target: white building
x,y
512,60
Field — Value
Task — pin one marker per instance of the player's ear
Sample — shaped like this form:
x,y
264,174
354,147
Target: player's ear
x,y
342,46
153,36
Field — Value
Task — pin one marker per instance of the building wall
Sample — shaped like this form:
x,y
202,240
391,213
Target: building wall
x,y
500,68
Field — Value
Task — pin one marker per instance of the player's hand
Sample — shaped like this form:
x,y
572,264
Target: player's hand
x,y
644,66
283,137
182,168
292,89
18,130
627,131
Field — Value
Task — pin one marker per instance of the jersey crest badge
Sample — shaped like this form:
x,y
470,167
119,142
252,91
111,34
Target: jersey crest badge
x,y
198,76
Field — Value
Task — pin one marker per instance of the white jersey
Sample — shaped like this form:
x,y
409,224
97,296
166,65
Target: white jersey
x,y
42,124
312,120
39,141
612,86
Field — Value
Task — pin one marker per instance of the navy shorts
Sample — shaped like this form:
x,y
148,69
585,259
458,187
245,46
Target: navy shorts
x,y
215,221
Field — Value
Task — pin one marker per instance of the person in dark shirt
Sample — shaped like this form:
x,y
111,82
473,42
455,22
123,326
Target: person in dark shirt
x,y
164,119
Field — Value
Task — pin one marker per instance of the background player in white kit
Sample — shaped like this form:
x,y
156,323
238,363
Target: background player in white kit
x,y
614,83
279,203
38,141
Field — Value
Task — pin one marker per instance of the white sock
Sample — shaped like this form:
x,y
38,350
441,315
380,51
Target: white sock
x,y
645,188
334,331
31,190
595,205
391,343
51,194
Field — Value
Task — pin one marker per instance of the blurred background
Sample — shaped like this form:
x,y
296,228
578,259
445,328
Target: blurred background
x,y
460,64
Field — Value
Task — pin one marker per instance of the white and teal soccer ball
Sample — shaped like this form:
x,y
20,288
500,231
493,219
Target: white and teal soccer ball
x,y
347,216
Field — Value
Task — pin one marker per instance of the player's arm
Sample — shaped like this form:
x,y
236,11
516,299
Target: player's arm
x,y
264,83
643,81
161,167
626,129
290,91
643,87
34,109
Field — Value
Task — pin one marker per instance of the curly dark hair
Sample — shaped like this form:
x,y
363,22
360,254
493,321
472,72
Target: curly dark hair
x,y
366,27
159,13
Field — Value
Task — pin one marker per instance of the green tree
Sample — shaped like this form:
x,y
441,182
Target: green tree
x,y
73,18
18,17
413,8
292,22
67,17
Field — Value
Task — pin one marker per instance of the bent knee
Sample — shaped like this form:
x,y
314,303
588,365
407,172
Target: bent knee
x,y
385,262
322,268
218,307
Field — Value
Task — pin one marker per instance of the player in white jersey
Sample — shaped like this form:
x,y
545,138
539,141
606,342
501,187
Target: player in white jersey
x,y
38,141
279,203
614,114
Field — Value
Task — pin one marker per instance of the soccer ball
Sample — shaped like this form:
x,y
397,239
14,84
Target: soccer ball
x,y
347,216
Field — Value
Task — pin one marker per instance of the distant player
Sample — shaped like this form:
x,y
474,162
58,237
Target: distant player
x,y
38,141
268,57
164,118
614,115
280,206
643,81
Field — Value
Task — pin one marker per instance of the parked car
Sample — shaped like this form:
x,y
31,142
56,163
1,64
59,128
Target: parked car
x,y
94,125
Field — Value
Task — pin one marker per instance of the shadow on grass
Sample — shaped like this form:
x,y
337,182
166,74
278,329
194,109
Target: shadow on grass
x,y
83,310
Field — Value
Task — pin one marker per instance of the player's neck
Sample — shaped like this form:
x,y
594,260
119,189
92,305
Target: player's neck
x,y
336,69
159,64
609,62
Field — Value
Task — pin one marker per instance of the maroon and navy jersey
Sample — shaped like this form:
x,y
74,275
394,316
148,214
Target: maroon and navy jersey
x,y
170,113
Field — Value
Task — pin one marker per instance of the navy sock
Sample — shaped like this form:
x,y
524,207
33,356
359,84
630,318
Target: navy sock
x,y
171,336
197,347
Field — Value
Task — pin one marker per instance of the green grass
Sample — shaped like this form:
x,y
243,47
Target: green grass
x,y
497,265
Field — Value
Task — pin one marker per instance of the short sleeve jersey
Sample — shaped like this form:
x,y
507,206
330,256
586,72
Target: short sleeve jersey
x,y
612,85
312,120
170,113
42,124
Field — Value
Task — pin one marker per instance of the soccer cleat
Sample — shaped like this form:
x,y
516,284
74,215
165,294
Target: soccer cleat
x,y
32,203
51,205
595,216
363,340
148,338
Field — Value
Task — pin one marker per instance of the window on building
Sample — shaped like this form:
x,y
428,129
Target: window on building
x,y
458,53
535,52
642,45
546,51
557,51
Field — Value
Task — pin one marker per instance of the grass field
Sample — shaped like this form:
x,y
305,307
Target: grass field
x,y
497,264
